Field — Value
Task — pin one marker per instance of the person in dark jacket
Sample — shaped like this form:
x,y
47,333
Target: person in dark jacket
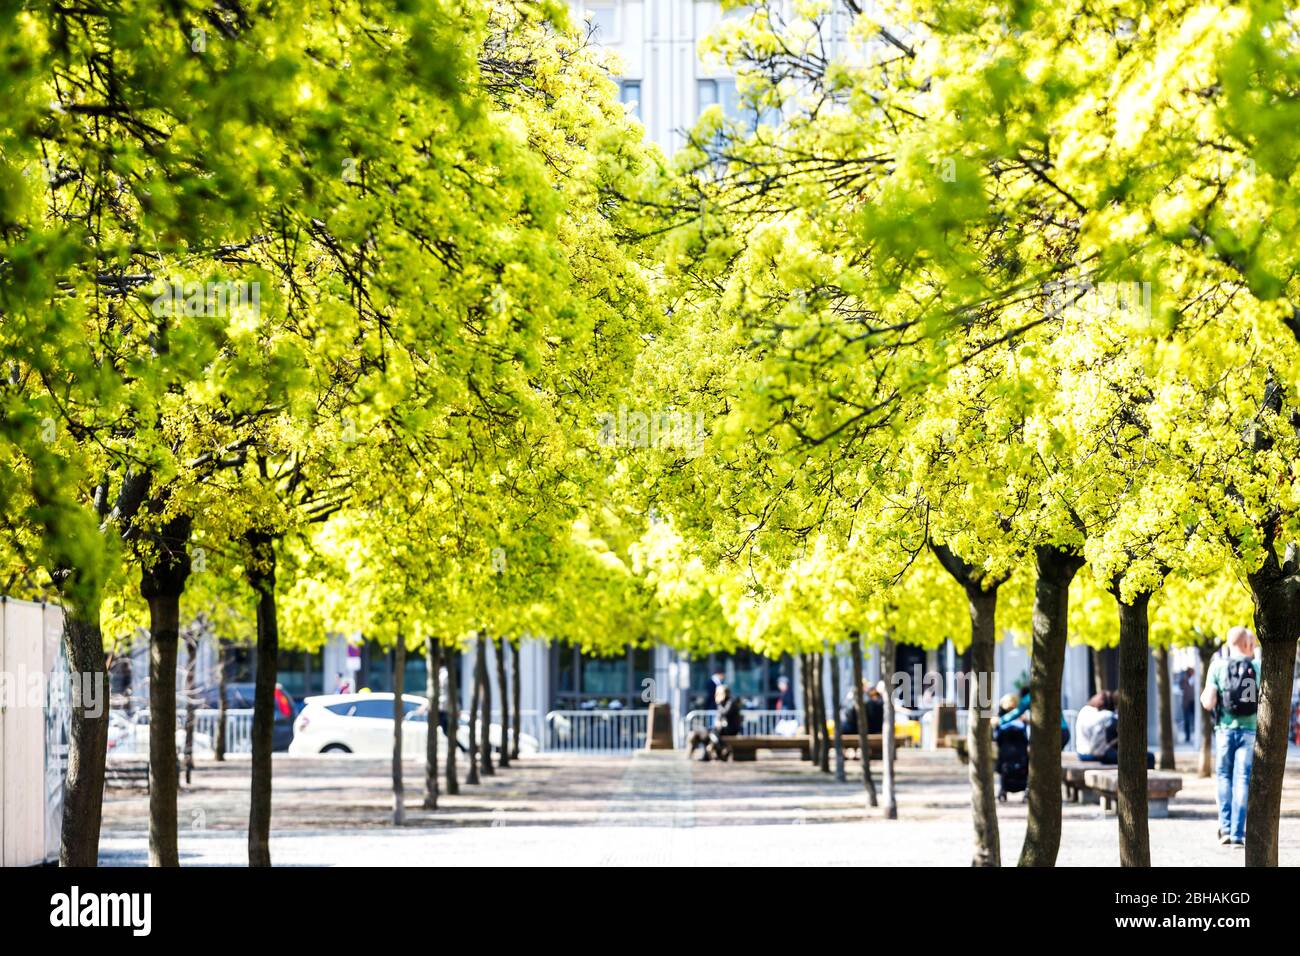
x,y
872,703
727,722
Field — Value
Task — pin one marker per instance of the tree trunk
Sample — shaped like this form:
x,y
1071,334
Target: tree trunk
x,y
855,648
1206,651
164,638
1056,568
835,716
219,747
503,687
471,775
453,722
399,718
485,688
982,596
809,707
1134,836
161,584
433,688
979,742
1277,622
825,755
191,661
515,694
260,573
1165,705
1098,670
83,787
887,728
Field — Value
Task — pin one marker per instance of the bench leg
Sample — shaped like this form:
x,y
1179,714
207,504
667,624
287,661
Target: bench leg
x,y
1158,809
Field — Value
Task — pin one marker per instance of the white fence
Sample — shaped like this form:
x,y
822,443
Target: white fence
x,y
129,736
594,731
239,728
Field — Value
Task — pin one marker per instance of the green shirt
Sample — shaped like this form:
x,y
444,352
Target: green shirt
x,y
1218,675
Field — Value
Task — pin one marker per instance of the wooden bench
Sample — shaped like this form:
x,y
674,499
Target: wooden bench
x,y
1161,788
121,773
747,747
876,742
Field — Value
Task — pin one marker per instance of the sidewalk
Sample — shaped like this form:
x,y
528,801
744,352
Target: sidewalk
x,y
649,809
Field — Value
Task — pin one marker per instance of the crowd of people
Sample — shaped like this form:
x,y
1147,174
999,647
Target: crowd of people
x,y
1230,694
728,719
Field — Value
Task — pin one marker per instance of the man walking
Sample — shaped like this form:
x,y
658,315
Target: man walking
x,y
1232,693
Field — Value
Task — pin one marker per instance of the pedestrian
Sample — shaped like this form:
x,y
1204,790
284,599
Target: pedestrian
x,y
1187,690
342,686
1232,694
785,694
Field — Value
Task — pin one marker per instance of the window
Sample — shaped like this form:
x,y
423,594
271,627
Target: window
x,y
300,673
750,676
604,21
585,681
723,92
720,92
629,94
364,708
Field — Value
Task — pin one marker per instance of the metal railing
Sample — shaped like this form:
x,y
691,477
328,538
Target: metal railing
x,y
239,728
784,722
595,731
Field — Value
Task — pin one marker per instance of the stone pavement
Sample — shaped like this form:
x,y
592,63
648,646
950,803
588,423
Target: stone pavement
x,y
644,810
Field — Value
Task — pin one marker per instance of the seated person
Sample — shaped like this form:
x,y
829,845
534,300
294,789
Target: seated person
x,y
1097,728
875,707
872,703
1015,708
726,723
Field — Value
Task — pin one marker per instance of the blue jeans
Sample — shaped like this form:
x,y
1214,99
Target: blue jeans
x,y
1235,751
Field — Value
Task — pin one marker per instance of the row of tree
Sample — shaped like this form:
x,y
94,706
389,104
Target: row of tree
x,y
270,271
387,321
1011,285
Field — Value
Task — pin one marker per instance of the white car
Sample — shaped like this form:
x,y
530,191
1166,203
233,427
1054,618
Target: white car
x,y
363,724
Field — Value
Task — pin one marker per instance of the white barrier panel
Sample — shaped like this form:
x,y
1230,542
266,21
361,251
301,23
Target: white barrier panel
x,y
595,731
33,732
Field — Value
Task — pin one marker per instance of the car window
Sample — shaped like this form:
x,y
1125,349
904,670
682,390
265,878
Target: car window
x,y
364,708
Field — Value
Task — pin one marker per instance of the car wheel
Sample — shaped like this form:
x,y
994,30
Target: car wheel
x,y
335,749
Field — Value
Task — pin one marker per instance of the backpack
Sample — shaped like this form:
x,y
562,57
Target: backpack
x,y
1240,687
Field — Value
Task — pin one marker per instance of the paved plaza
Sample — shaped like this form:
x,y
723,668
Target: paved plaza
x,y
643,809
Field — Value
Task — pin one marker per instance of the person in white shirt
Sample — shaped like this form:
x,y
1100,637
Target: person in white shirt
x,y
1097,729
